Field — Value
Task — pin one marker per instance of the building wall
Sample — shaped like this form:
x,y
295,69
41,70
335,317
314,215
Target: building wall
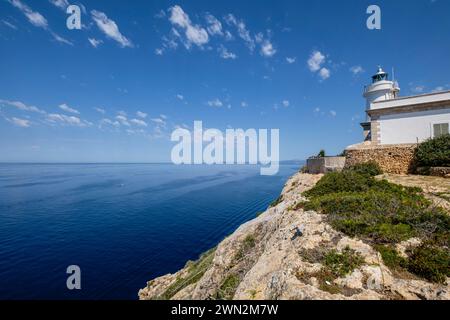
x,y
409,127
324,165
397,159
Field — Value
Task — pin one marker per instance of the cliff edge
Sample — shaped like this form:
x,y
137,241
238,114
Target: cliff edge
x,y
279,255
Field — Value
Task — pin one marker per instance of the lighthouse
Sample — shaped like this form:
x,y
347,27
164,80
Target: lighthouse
x,y
393,120
381,89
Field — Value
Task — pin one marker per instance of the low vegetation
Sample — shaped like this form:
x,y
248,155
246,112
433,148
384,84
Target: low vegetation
x,y
228,287
383,213
370,169
430,262
276,201
335,265
342,263
248,244
195,270
434,152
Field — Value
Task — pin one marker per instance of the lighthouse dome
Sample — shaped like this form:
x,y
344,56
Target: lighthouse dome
x,y
380,89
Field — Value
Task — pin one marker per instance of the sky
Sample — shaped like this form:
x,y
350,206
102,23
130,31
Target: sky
x,y
115,90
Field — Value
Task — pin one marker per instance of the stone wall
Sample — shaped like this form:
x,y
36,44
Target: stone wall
x,y
398,159
325,164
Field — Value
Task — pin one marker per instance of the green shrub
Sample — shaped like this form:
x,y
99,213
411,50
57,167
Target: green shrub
x,y
370,169
384,217
347,181
391,258
228,287
381,212
430,262
341,264
321,153
248,244
434,152
276,201
196,270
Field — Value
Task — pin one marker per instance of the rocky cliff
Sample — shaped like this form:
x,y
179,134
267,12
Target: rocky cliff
x,y
277,256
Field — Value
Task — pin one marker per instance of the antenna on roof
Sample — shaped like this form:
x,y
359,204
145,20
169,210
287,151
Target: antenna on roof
x,y
393,74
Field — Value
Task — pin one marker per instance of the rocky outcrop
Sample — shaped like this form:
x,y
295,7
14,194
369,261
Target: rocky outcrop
x,y
270,258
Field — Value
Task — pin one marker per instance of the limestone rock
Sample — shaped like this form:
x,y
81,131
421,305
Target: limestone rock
x,y
262,260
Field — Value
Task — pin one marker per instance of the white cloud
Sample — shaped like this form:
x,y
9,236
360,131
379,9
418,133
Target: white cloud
x,y
243,33
225,54
34,17
315,61
333,113
180,97
418,89
214,25
67,120
9,24
110,28
291,60
62,4
19,122
324,73
244,104
141,114
94,42
285,103
123,120
267,49
37,20
108,122
66,108
159,121
438,89
21,106
139,122
356,70
60,39
194,34
215,103
159,51
100,110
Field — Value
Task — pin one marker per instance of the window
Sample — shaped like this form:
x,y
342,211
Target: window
x,y
439,129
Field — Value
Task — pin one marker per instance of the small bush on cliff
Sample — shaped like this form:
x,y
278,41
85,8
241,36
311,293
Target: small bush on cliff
x,y
434,152
430,262
276,201
195,270
228,287
343,263
333,182
391,258
335,265
370,168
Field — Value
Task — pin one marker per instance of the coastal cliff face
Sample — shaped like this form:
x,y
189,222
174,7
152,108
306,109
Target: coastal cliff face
x,y
276,256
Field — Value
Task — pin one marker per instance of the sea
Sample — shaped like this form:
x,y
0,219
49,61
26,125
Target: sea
x,y
121,224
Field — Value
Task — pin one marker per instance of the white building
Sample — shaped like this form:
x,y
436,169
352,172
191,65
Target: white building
x,y
403,120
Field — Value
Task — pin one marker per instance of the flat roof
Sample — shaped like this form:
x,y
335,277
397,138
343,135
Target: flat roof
x,y
423,99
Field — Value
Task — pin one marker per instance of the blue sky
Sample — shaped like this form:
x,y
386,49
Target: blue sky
x,y
115,90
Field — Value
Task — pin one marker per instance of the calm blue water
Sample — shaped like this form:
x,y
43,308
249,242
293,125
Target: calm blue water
x,y
123,224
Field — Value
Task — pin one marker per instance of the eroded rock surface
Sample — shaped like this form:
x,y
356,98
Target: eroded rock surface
x,y
264,259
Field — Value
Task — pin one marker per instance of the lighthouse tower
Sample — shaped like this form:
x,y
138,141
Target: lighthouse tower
x,y
381,89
